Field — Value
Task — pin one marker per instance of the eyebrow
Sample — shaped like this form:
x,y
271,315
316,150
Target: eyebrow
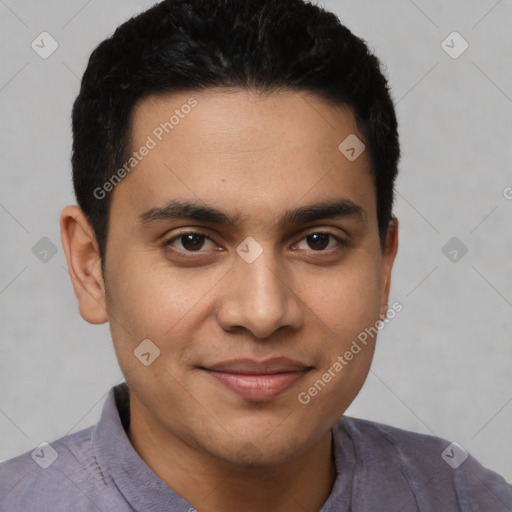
x,y
177,210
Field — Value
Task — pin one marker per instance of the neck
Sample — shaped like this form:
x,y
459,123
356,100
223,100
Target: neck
x,y
211,484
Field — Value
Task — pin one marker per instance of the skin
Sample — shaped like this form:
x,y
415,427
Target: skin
x,y
255,156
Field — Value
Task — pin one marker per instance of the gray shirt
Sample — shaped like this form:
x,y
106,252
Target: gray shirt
x,y
379,469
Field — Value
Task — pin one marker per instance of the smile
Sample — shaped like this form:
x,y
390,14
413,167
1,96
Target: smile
x,y
258,381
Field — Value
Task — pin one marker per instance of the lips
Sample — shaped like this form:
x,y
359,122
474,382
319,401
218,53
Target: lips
x,y
257,380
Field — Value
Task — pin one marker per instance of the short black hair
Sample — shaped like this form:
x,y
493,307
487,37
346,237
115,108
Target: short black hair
x,y
193,45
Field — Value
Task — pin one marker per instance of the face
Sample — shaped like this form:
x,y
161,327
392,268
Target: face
x,y
245,246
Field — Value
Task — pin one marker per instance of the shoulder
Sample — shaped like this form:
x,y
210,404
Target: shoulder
x,y
382,437
66,468
436,470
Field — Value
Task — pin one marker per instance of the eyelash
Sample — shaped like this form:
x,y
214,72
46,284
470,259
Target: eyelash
x,y
169,242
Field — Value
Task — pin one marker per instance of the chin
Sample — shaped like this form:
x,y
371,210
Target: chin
x,y
257,452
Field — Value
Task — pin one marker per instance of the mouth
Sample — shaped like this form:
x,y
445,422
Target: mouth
x,y
257,380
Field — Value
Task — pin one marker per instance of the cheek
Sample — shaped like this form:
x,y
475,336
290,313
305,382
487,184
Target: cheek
x,y
347,300
346,311
146,303
150,299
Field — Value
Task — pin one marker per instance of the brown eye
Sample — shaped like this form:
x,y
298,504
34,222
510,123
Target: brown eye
x,y
192,241
321,242
318,241
188,242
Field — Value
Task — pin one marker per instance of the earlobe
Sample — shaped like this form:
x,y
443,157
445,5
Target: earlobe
x,y
388,258
84,265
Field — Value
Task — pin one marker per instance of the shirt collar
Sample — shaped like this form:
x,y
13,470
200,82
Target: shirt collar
x,y
140,486
144,490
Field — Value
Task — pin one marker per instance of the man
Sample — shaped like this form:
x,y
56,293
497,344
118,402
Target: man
x,y
234,163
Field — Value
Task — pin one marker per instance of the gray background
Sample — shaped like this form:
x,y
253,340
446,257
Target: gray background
x,y
442,366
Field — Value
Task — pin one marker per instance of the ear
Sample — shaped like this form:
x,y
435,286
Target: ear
x,y
84,264
388,258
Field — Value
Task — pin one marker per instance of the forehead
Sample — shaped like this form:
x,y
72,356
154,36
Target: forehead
x,y
237,149
237,120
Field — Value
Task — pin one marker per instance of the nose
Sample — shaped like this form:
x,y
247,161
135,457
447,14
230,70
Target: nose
x,y
259,297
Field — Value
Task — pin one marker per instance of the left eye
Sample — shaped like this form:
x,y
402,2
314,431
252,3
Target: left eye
x,y
321,241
